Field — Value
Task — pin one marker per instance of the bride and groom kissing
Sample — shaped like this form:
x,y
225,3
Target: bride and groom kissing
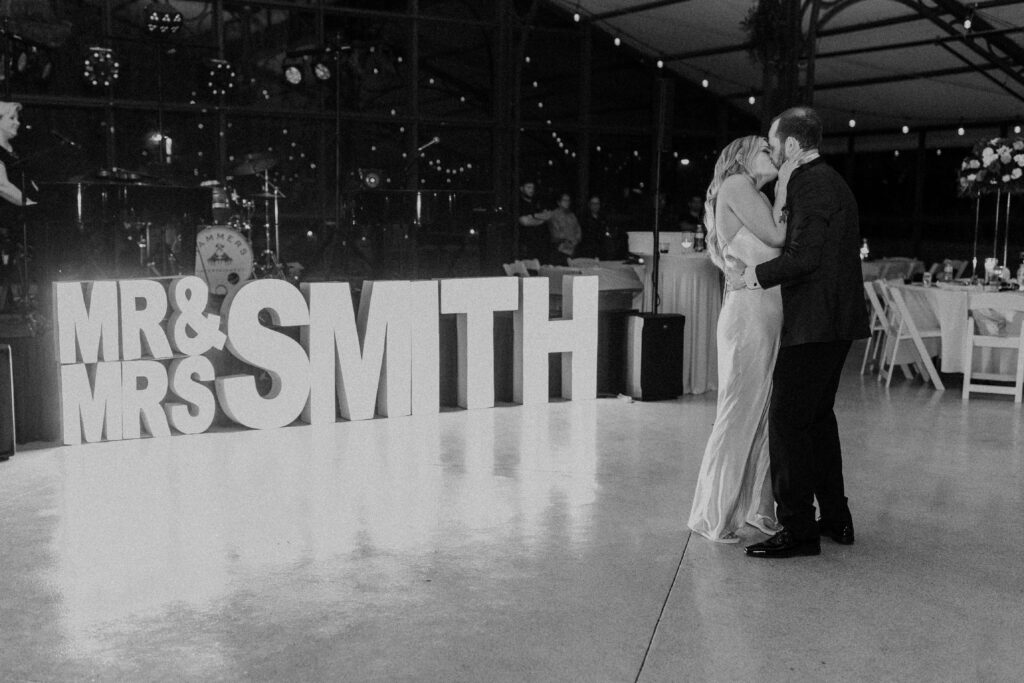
x,y
793,306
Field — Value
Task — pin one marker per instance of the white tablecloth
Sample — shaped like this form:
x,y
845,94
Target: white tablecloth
x,y
947,309
690,284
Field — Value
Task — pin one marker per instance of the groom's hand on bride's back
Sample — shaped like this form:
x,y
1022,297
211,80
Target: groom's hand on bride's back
x,y
734,274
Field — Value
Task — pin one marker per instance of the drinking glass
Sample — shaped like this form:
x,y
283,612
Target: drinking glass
x,y
687,241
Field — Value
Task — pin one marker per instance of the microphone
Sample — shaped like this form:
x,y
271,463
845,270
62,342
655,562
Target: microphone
x,y
64,139
432,141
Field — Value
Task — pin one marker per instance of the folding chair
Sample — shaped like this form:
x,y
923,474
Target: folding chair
x,y
903,328
879,328
980,323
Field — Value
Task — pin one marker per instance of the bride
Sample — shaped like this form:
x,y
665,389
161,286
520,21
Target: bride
x,y
734,486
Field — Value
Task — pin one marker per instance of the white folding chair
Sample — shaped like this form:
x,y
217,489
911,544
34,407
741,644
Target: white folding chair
x,y
879,327
979,326
903,328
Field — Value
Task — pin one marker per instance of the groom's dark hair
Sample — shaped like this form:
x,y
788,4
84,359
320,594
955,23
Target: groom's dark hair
x,y
802,124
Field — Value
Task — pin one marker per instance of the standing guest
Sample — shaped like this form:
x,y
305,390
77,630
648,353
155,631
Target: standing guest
x,y
694,216
819,275
533,240
564,231
595,229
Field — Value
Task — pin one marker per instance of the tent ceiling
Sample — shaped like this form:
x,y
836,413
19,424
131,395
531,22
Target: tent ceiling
x,y
886,63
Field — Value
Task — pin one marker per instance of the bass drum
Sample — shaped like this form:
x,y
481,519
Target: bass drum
x,y
223,258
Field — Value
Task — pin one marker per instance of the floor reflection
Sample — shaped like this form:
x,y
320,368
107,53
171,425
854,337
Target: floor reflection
x,y
151,525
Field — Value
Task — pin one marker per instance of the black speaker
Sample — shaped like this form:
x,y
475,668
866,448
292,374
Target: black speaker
x,y
654,356
7,440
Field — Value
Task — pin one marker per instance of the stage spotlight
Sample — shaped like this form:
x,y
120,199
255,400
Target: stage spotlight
x,y
221,76
371,178
101,66
31,62
162,18
322,70
291,67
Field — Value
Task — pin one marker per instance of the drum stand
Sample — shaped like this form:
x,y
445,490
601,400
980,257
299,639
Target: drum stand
x,y
269,265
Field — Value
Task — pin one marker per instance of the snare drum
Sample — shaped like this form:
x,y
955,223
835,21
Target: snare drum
x,y
223,258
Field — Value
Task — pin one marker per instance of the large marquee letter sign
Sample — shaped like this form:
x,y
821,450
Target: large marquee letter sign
x,y
132,358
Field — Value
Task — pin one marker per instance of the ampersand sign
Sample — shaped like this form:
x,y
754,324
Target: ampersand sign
x,y
188,297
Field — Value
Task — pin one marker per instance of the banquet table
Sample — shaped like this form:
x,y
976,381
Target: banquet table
x,y
690,284
945,307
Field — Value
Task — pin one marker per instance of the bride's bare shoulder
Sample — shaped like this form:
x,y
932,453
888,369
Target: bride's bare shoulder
x,y
738,185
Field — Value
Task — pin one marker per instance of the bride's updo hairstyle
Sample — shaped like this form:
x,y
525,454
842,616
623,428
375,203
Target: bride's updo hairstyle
x,y
735,158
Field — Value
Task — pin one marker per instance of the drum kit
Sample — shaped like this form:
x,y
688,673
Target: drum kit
x,y
225,256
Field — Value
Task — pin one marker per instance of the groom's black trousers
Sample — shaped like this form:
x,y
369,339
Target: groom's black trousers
x,y
803,437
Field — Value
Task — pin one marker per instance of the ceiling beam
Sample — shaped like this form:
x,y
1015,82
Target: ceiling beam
x,y
982,72
912,43
883,80
839,30
635,9
1009,48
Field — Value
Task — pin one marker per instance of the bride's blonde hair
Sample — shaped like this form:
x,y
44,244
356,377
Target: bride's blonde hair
x,y
735,158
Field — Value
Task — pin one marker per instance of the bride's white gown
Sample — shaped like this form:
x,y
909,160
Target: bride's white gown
x,y
734,487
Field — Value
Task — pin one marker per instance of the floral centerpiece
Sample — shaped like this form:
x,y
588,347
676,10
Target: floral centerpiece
x,y
994,165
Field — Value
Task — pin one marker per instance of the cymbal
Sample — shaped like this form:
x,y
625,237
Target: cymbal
x,y
254,163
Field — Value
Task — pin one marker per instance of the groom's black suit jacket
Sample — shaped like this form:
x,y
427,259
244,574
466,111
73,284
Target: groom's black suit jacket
x,y
819,268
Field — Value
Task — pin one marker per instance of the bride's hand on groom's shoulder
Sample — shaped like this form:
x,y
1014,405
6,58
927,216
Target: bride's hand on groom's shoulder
x,y
787,168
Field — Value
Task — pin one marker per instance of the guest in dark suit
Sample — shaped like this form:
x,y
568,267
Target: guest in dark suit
x,y
823,312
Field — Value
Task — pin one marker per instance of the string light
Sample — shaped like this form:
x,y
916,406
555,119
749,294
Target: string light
x,y
661,64
853,122
751,99
905,129
1016,129
960,131
705,83
618,41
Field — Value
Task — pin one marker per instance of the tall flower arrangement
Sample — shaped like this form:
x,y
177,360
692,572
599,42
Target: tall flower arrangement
x,y
994,165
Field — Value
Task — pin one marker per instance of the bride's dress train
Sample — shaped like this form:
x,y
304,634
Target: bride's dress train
x,y
734,486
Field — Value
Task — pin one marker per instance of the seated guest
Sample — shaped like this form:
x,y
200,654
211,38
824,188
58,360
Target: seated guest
x,y
564,230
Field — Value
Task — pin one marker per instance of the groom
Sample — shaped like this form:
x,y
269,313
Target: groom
x,y
823,312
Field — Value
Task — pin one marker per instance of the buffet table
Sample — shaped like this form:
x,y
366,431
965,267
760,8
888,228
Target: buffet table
x,y
945,307
690,284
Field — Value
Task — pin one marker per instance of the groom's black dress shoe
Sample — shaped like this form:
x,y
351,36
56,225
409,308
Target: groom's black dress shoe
x,y
841,532
783,544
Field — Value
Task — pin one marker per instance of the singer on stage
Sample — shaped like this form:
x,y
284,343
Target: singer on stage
x,y
9,125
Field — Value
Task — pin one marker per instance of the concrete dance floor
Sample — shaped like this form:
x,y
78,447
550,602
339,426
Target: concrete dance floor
x,y
513,544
